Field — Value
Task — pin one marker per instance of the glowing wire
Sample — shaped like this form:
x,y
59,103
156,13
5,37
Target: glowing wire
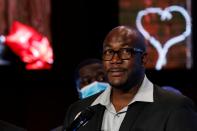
x,y
165,15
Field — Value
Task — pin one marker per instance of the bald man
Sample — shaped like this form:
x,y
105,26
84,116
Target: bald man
x,y
132,102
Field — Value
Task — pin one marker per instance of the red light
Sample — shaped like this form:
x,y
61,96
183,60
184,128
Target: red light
x,y
33,48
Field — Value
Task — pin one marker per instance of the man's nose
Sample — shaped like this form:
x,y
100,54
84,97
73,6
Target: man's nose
x,y
116,58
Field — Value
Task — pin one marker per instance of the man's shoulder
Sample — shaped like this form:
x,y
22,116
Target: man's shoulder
x,y
170,99
78,106
82,104
5,126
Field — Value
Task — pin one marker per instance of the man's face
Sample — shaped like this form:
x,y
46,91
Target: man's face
x,y
122,73
91,73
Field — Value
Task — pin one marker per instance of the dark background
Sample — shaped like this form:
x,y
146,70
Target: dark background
x,y
38,100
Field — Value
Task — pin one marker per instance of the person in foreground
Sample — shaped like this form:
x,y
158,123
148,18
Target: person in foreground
x,y
132,102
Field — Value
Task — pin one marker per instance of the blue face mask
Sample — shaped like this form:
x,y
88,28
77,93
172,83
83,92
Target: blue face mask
x,y
92,89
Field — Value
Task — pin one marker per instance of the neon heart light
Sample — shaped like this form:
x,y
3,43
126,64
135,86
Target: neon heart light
x,y
165,15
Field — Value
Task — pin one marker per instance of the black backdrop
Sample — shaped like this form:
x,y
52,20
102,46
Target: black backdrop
x,y
37,100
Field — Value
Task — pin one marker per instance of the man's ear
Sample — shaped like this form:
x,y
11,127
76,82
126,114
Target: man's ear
x,y
144,58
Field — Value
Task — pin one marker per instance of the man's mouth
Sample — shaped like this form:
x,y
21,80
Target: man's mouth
x,y
116,72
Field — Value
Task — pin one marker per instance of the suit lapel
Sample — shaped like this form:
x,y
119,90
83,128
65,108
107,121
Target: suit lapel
x,y
134,110
99,117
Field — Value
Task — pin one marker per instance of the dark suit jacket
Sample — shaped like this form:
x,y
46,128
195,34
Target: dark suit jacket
x,y
5,126
168,112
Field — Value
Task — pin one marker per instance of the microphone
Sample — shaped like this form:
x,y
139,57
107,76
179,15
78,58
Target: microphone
x,y
82,119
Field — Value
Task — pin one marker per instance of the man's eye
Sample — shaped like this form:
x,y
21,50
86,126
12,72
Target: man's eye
x,y
108,52
101,78
126,51
85,81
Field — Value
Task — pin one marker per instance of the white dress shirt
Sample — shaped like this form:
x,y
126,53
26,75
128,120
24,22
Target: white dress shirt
x,y
112,119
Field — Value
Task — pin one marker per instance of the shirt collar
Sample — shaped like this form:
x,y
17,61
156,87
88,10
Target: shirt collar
x,y
144,94
104,98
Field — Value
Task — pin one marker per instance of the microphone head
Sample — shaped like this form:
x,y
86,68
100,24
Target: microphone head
x,y
85,116
82,119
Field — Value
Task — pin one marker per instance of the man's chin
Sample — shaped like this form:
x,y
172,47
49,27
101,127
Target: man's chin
x,y
117,85
121,85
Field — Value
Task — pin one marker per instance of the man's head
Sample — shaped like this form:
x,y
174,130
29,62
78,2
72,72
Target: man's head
x,y
124,56
88,71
